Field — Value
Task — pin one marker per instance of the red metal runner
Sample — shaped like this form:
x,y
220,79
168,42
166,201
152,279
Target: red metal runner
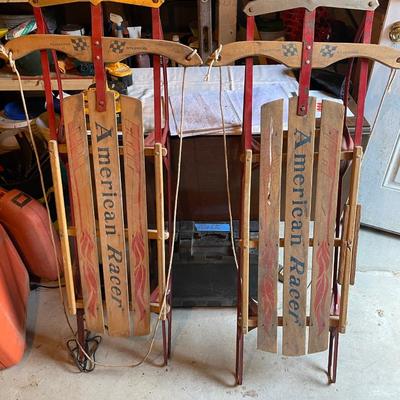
x,y
41,28
363,79
248,92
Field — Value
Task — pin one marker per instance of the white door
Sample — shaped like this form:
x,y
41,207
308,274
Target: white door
x,y
380,176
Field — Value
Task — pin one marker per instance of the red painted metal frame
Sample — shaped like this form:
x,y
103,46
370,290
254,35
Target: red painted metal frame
x,y
363,79
306,62
41,28
161,136
247,135
98,63
247,144
41,22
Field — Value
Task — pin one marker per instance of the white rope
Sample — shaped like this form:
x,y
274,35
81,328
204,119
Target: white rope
x,y
215,58
227,183
388,89
8,55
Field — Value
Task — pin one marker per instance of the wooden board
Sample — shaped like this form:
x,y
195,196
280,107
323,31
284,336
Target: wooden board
x,y
160,222
269,219
342,255
259,7
227,21
300,153
245,236
114,49
136,212
330,141
83,210
204,27
355,246
62,226
324,54
107,176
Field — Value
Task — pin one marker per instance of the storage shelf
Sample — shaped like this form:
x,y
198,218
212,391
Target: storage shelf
x,y
9,82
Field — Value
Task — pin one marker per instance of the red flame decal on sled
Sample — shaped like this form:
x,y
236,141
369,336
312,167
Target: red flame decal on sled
x,y
138,263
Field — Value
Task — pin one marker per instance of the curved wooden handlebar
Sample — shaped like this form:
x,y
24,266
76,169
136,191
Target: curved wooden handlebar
x,y
289,53
144,3
114,49
259,7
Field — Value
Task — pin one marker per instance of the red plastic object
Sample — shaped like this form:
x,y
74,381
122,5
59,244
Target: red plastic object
x,y
14,292
26,221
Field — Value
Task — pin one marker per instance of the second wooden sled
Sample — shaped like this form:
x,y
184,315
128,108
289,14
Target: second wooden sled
x,y
308,218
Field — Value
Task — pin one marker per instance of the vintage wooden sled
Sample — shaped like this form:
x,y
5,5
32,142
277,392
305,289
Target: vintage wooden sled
x,y
309,220
109,290
311,213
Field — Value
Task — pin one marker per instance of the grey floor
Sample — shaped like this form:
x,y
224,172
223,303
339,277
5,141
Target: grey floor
x,y
204,348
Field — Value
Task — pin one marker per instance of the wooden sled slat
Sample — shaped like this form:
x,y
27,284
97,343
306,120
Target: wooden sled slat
x,y
82,198
136,212
114,49
324,54
324,224
259,7
300,155
269,219
107,177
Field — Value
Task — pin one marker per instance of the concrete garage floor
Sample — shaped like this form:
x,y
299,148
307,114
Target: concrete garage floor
x,y
204,349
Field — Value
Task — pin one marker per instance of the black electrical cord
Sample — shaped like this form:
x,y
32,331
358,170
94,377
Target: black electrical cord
x,y
91,344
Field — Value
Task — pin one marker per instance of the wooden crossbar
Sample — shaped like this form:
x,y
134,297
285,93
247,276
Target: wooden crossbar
x,y
259,7
300,325
289,53
114,49
145,3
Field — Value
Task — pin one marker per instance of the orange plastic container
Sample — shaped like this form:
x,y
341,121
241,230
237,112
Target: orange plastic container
x,y
26,221
14,292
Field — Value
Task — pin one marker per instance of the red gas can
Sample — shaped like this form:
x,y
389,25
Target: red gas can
x,y
26,221
14,291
